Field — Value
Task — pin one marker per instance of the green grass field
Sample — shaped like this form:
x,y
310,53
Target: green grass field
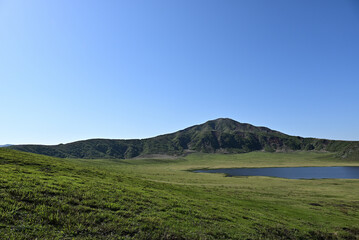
x,y
49,198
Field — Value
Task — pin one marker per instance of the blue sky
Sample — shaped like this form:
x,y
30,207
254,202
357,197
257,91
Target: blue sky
x,y
72,70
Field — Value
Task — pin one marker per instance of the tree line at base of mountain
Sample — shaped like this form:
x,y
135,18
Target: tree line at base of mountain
x,y
217,136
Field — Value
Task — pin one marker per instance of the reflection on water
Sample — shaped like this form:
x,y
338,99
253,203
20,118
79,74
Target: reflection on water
x,y
291,172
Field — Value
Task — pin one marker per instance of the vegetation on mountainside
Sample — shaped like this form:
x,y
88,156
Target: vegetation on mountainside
x,y
217,136
44,198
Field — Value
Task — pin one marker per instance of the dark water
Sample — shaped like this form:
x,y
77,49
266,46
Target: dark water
x,y
291,172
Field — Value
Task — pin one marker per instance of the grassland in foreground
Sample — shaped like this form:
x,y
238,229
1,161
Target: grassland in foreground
x,y
49,198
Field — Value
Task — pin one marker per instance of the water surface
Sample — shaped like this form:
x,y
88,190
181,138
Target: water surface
x,y
291,172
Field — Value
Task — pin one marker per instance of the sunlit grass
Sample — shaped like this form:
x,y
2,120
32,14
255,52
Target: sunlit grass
x,y
44,198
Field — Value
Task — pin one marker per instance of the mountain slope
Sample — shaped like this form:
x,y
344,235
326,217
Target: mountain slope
x,y
222,135
6,145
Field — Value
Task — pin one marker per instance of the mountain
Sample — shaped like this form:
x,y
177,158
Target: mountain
x,y
6,145
222,135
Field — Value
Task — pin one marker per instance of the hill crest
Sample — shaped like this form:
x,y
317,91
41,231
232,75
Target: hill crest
x,y
222,135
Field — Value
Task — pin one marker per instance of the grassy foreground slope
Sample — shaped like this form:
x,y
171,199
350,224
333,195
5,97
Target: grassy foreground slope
x,y
50,198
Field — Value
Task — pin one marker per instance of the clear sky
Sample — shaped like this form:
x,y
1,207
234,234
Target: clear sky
x,y
73,70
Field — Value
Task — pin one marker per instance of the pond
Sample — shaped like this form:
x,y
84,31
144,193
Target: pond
x,y
290,172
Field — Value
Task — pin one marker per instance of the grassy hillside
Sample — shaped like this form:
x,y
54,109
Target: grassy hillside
x,y
218,136
44,198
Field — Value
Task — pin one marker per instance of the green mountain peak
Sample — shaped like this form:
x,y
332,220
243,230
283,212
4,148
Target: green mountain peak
x,y
222,135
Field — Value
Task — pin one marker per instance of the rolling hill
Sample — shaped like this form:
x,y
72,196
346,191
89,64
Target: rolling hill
x,y
44,197
222,135
6,145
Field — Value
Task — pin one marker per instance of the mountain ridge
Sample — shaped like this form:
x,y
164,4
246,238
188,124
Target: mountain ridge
x,y
222,135
5,145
